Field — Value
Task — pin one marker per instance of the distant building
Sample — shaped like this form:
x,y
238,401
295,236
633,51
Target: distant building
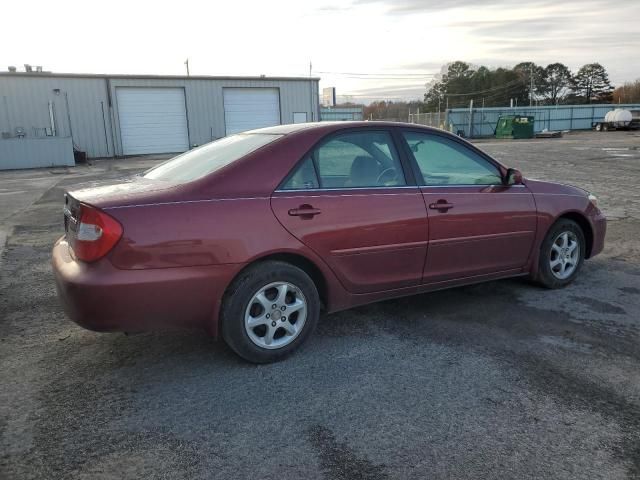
x,y
116,115
329,97
341,113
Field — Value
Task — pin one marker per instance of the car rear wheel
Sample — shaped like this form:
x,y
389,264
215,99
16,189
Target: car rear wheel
x,y
269,311
561,254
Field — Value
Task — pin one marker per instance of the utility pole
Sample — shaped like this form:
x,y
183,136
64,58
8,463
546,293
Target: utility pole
x,y
470,117
312,95
446,113
186,62
531,86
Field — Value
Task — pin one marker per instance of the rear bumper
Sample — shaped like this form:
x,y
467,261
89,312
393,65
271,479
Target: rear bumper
x,y
599,223
100,297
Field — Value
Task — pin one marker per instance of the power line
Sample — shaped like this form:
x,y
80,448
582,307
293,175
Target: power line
x,y
512,89
382,74
509,91
508,84
384,78
370,95
496,92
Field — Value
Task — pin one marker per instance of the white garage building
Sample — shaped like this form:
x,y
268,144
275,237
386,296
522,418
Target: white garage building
x,y
120,115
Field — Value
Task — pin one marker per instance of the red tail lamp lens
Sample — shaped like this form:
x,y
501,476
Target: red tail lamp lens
x,y
96,234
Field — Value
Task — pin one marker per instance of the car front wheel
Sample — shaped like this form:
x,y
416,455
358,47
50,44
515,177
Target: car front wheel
x,y
269,311
561,254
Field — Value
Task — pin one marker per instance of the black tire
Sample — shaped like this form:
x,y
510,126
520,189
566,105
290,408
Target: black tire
x,y
605,127
598,127
546,276
241,292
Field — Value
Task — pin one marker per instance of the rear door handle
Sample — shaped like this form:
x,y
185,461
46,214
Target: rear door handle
x,y
304,211
441,205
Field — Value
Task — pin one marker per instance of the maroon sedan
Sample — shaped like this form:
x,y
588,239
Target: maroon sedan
x,y
251,236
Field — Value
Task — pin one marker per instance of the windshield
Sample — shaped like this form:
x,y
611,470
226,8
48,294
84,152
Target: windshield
x,y
208,158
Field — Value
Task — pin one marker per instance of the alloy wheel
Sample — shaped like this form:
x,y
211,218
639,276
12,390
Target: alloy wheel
x,y
564,255
275,315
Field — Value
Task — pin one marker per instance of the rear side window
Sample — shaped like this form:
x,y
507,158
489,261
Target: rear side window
x,y
207,159
303,178
350,160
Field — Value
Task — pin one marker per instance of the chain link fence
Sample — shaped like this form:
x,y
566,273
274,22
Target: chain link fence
x,y
432,119
481,122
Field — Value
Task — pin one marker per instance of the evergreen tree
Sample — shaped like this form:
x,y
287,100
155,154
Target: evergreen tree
x,y
591,84
558,81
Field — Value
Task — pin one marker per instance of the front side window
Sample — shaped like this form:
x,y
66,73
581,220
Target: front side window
x,y
447,162
358,160
208,158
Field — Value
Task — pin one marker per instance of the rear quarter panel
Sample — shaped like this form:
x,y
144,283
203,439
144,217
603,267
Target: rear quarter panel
x,y
209,232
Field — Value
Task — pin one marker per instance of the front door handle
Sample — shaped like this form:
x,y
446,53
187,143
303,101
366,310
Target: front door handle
x,y
304,211
441,205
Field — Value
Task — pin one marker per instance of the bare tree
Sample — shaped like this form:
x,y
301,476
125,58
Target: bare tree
x,y
627,93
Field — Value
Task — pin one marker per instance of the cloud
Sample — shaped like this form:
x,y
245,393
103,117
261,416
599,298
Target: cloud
x,y
400,91
422,66
426,6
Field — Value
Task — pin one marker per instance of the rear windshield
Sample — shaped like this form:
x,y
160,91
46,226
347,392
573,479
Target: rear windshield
x,y
208,158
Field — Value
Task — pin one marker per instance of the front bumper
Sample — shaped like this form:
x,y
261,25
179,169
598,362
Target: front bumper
x,y
599,224
100,297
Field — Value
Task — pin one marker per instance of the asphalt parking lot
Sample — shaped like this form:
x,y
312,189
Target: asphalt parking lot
x,y
499,380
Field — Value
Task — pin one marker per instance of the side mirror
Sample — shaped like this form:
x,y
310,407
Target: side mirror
x,y
513,177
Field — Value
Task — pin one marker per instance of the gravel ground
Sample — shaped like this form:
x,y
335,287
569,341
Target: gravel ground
x,y
499,380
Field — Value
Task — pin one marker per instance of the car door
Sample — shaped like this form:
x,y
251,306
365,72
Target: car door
x,y
477,225
349,200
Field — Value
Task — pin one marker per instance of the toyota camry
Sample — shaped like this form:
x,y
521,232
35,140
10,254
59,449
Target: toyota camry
x,y
251,236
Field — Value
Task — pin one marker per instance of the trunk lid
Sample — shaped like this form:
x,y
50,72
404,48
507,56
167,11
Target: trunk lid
x,y
120,192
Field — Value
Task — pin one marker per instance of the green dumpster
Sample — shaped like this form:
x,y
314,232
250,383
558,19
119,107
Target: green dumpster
x,y
515,126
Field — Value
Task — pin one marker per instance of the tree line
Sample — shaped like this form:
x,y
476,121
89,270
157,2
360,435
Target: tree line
x,y
523,84
629,92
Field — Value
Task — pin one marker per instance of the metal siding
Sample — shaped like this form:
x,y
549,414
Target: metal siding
x,y
27,101
28,96
17,153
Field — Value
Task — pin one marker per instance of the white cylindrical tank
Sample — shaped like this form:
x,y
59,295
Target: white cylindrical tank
x,y
618,117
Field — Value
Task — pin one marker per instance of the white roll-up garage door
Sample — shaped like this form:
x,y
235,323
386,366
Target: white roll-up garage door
x,y
152,120
249,108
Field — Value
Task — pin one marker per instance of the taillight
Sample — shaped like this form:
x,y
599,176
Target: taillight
x,y
95,234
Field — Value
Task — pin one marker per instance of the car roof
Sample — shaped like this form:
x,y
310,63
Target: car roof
x,y
330,126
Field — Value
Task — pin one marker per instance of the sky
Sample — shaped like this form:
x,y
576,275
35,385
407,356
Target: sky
x,y
367,49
